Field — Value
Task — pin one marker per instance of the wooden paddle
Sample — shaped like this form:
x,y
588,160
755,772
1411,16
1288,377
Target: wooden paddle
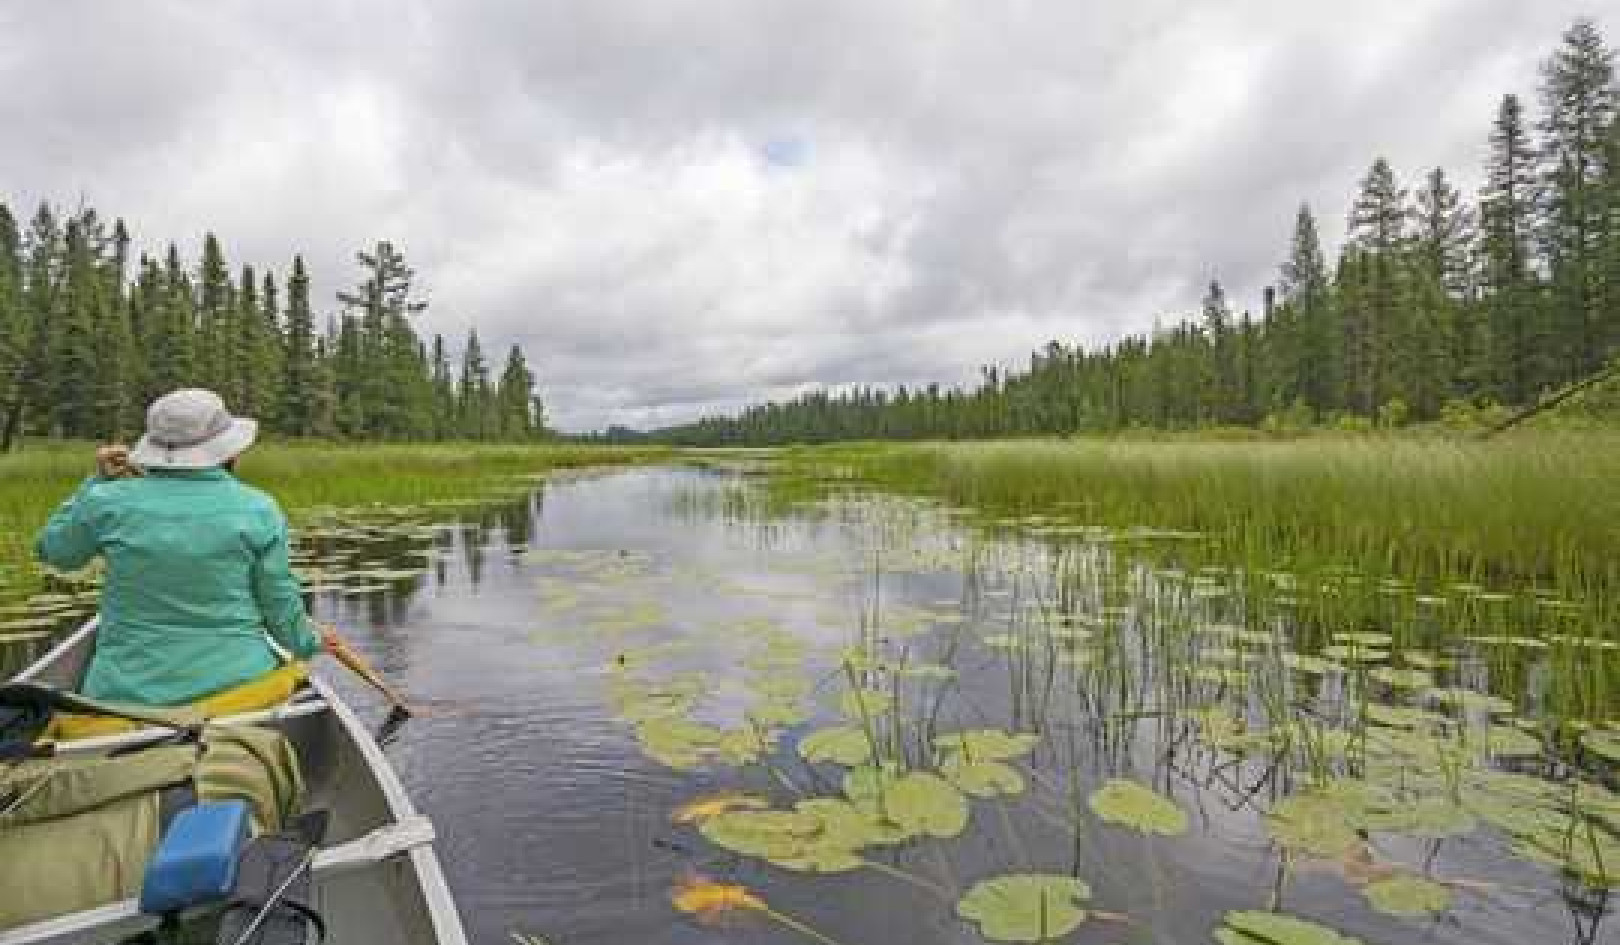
x,y
360,666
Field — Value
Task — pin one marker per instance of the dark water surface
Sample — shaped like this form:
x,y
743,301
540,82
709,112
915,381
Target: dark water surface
x,y
555,822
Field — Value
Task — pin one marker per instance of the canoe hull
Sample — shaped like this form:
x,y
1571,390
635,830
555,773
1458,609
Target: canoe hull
x,y
377,877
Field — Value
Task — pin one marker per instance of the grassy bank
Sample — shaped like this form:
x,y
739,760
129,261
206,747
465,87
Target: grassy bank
x,y
301,476
1527,510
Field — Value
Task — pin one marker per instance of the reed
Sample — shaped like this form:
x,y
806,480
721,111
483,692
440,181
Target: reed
x,y
302,476
1539,509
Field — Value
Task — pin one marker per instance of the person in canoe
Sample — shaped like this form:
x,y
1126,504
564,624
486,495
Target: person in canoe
x,y
197,581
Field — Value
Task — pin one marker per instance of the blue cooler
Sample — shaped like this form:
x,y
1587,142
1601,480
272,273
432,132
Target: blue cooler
x,y
195,862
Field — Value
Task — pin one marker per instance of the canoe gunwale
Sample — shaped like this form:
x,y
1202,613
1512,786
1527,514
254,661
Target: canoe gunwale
x,y
408,835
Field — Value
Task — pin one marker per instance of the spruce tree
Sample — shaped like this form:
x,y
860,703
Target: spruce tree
x,y
1374,331
1444,342
1579,97
473,393
1513,360
1313,366
13,327
444,392
514,398
242,390
269,354
174,342
72,353
389,385
298,406
215,334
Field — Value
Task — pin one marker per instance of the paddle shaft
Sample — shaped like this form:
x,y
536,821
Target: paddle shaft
x,y
358,665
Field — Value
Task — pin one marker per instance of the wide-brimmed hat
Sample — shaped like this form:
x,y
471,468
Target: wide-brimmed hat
x,y
191,429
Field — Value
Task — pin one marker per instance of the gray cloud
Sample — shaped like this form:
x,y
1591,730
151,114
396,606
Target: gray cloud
x,y
680,206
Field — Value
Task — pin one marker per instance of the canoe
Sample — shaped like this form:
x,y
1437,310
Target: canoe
x,y
377,878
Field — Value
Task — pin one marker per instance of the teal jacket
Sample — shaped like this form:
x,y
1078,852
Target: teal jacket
x,y
197,573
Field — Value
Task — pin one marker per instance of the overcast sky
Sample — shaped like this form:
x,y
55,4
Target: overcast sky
x,y
678,207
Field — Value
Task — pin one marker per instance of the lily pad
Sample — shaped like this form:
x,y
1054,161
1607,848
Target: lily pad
x,y
926,805
1129,804
1315,825
870,782
987,744
840,744
1314,665
1273,928
1355,654
1430,817
1604,744
851,825
1399,716
1506,741
765,834
778,710
982,778
1027,907
1365,640
1467,700
867,703
1403,678
1407,895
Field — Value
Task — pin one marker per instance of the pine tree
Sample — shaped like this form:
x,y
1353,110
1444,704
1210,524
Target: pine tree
x,y
241,389
1312,368
1220,396
1611,239
444,392
349,367
14,327
514,398
72,353
1442,281
298,378
270,353
473,393
390,383
1374,333
1512,365
321,408
1580,99
215,334
145,307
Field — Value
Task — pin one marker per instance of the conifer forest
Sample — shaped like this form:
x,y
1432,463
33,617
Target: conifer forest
x,y
1437,304
89,337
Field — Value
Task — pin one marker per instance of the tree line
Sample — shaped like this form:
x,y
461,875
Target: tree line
x,y
1435,307
88,338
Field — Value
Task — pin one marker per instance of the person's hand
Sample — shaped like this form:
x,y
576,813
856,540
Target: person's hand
x,y
330,641
112,462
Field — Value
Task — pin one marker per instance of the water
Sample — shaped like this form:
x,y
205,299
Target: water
x,y
529,629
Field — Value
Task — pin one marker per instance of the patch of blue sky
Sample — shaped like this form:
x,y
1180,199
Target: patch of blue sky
x,y
785,151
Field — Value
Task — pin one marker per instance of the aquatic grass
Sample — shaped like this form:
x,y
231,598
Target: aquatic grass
x,y
1527,509
303,477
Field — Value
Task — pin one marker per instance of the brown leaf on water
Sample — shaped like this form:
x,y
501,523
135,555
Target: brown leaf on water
x,y
710,901
699,809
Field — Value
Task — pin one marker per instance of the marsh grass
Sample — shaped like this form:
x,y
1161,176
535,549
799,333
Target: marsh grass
x,y
1534,510
302,476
